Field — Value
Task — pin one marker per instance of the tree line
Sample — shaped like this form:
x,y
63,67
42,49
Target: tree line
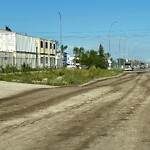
x,y
91,58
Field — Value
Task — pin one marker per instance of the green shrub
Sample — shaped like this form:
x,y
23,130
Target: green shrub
x,y
8,69
25,68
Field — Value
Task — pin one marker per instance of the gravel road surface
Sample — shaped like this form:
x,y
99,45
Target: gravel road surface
x,y
112,114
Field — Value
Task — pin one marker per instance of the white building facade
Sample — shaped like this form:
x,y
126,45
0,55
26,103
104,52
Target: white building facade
x,y
17,49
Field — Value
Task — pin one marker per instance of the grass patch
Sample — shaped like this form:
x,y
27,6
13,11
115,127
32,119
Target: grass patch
x,y
58,77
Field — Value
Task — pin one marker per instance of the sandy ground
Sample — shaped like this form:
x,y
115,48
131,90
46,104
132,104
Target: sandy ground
x,y
11,88
111,114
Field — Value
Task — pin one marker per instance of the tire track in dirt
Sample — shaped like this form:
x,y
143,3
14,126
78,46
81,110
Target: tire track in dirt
x,y
11,127
84,121
122,117
18,110
99,112
12,115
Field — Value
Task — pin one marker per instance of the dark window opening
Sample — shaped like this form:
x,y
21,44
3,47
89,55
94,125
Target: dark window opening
x,y
41,60
50,45
46,60
41,44
46,45
54,46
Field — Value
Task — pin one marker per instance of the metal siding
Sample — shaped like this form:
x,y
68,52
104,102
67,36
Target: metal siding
x,y
25,43
7,42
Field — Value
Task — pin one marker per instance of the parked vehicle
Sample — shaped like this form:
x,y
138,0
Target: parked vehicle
x,y
70,66
128,66
142,65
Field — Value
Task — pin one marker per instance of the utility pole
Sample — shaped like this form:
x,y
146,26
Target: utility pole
x,y
60,30
61,54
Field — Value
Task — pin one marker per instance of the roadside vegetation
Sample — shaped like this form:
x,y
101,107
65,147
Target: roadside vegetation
x,y
55,77
95,66
90,58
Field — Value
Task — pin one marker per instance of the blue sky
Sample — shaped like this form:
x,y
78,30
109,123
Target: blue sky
x,y
85,23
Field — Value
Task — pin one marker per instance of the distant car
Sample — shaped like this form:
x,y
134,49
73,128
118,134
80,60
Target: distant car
x,y
142,66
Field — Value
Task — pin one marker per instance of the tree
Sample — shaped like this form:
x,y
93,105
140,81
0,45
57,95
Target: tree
x,y
81,52
107,55
78,53
103,57
101,51
91,58
63,48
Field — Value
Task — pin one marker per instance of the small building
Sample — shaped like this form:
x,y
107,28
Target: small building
x,y
68,60
17,49
46,53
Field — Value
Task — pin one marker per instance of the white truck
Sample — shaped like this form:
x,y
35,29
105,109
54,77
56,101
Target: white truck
x,y
128,66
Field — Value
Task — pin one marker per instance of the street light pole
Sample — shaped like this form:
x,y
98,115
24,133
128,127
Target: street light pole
x,y
122,35
109,33
61,54
109,43
119,51
60,30
124,47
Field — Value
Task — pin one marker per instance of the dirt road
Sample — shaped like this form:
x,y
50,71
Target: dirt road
x,y
113,114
